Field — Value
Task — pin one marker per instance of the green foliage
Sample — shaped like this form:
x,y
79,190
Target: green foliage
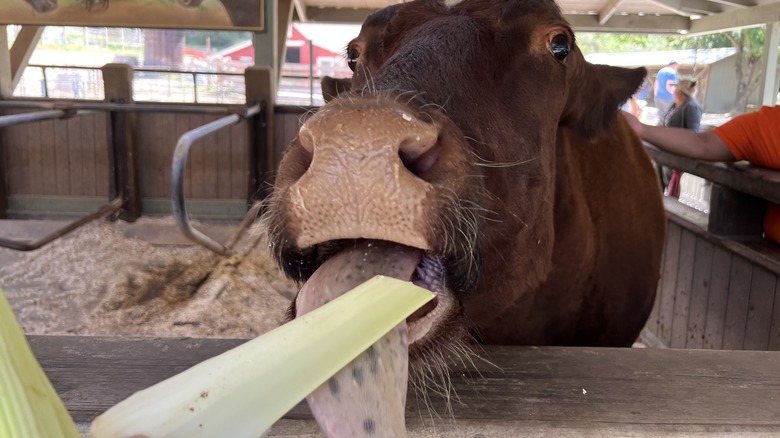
x,y
629,42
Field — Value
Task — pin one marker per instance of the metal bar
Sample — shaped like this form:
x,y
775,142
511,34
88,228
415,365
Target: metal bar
x,y
131,107
18,119
138,69
177,177
195,86
20,245
45,83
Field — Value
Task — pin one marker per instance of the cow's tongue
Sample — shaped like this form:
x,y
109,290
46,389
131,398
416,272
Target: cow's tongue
x,y
367,397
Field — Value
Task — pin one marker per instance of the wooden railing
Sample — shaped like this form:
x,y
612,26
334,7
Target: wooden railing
x,y
720,280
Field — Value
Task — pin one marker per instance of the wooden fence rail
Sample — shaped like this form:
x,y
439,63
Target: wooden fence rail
x,y
508,392
720,283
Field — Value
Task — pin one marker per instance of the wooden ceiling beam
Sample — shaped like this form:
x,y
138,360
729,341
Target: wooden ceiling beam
x,y
689,7
746,17
669,24
736,3
608,10
632,23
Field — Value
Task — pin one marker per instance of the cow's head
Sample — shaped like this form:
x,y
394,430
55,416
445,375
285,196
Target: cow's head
x,y
445,141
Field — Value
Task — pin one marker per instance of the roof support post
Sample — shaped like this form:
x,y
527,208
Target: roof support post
x,y
769,85
13,59
6,73
286,10
122,154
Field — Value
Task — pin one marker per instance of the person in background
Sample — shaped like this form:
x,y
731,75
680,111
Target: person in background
x,y
754,137
685,113
663,89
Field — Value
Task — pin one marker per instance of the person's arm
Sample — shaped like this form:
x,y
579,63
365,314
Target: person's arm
x,y
681,141
670,85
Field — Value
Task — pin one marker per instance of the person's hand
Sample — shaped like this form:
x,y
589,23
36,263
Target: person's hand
x,y
635,124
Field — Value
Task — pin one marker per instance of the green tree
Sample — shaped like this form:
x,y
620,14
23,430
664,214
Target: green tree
x,y
750,49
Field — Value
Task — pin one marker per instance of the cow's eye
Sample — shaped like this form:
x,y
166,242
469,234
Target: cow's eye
x,y
560,46
352,58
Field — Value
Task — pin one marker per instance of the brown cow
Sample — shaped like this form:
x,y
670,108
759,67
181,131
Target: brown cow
x,y
478,135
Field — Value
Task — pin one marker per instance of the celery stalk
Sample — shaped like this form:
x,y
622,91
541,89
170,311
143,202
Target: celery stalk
x,y
243,391
29,406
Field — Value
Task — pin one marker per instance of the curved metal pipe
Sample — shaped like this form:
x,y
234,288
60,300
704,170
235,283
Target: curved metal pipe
x,y
18,119
20,245
177,177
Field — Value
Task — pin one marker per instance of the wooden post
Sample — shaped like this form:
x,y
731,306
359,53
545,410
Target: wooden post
x,y
22,50
735,214
122,156
768,85
260,88
285,9
6,74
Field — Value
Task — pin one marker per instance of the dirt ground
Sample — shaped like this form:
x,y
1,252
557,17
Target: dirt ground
x,y
111,278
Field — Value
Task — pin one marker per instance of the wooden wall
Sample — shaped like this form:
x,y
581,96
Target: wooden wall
x,y
49,160
715,293
57,157
217,165
288,119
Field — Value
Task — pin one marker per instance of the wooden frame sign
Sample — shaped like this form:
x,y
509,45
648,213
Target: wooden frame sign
x,y
186,14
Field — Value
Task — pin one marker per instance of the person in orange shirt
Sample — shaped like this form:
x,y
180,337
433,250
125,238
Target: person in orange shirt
x,y
754,137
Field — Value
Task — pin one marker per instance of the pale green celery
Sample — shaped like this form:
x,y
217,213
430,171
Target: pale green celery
x,y
29,406
242,392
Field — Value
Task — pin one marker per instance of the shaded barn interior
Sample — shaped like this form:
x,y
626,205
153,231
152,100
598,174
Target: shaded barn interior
x,y
716,291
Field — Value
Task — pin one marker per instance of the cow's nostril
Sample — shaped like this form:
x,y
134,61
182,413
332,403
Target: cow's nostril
x,y
419,150
419,164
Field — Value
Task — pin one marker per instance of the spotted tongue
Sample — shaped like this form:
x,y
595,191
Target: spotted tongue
x,y
367,397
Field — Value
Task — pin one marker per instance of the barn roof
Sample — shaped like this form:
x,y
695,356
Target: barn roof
x,y
636,16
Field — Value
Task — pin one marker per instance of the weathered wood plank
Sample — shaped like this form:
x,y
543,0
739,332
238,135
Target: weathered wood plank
x,y
223,164
700,289
736,311
239,159
682,297
48,156
652,320
89,146
151,156
33,144
759,315
16,159
718,299
61,144
75,155
183,125
102,141
649,391
774,330
668,282
167,145
197,158
211,151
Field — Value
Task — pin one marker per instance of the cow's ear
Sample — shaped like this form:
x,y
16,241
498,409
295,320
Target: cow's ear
x,y
333,87
596,93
